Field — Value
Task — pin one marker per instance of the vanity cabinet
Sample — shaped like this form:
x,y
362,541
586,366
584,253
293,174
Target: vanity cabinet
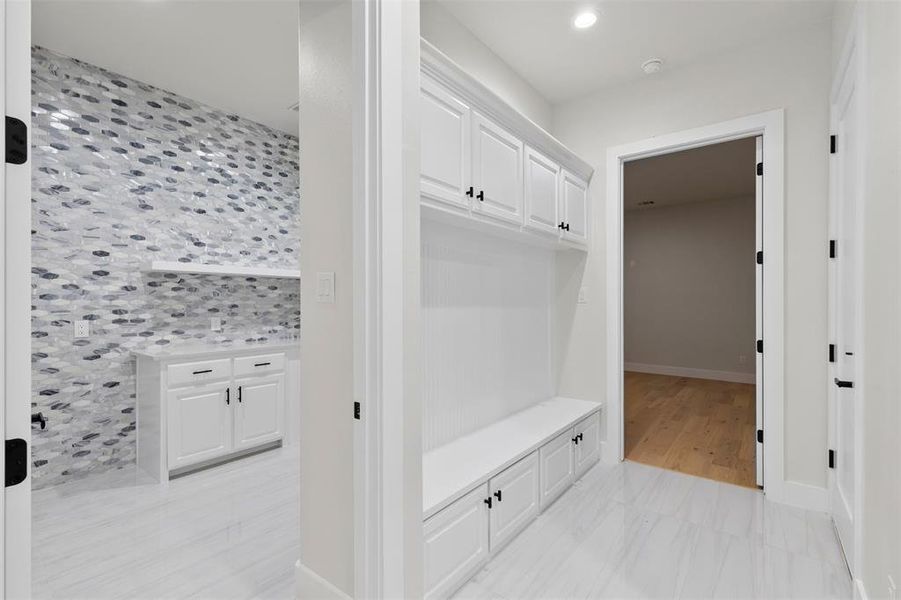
x,y
193,411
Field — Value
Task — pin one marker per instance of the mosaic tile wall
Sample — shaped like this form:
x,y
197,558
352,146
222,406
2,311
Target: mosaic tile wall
x,y
125,173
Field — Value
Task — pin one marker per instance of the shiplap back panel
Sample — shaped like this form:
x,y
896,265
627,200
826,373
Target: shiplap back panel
x,y
486,326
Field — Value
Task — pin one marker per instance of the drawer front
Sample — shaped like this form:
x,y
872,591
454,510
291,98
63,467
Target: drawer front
x,y
199,372
260,363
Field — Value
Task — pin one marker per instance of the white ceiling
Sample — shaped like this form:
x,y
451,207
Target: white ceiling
x,y
717,172
536,39
236,55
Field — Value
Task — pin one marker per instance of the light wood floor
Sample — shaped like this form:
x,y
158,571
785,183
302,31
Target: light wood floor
x,y
695,426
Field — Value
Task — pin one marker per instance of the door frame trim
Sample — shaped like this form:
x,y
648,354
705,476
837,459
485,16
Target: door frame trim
x,y
770,125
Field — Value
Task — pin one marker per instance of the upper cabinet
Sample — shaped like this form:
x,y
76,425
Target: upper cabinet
x,y
486,163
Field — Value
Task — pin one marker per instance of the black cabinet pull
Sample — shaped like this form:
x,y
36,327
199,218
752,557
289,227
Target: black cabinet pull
x,y
39,418
560,226
580,436
481,196
497,495
265,364
844,384
488,501
228,396
566,228
576,440
469,191
240,393
203,371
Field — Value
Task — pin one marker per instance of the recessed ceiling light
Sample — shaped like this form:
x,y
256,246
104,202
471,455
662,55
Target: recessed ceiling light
x,y
652,65
585,19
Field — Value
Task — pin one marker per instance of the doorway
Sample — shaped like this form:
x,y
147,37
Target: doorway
x,y
690,299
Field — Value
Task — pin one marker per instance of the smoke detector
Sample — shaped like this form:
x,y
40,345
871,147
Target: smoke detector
x,y
652,65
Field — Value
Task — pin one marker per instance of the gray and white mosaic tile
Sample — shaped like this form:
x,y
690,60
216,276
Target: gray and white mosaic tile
x,y
125,173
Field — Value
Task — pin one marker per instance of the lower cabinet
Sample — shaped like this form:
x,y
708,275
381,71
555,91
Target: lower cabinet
x,y
514,500
456,543
259,414
587,433
557,468
200,424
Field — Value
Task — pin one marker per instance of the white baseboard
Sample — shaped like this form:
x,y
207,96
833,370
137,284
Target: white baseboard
x,y
689,372
803,495
312,586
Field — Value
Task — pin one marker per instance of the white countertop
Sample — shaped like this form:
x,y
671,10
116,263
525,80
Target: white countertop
x,y
450,471
191,350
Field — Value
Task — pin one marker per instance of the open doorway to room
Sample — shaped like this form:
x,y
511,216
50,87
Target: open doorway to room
x,y
690,311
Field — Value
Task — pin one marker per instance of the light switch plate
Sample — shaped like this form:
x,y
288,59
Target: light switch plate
x,y
82,329
325,287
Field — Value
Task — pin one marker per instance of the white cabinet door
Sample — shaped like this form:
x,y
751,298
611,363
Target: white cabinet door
x,y
515,500
199,424
574,201
445,147
456,543
557,467
259,410
588,446
497,159
542,189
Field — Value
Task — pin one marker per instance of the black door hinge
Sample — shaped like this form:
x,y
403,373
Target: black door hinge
x,y
760,346
831,144
16,461
760,168
832,353
832,248
16,141
831,459
357,411
760,436
760,257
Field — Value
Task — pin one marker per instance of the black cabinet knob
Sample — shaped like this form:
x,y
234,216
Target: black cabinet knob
x,y
497,495
488,501
228,395
469,192
481,196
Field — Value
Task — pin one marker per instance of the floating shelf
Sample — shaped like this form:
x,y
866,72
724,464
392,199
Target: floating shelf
x,y
163,266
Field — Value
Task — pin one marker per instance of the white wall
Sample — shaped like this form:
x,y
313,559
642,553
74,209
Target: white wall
x,y
486,327
792,72
688,286
446,33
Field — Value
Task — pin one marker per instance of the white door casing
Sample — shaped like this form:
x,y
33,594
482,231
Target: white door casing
x,y
455,543
259,412
758,307
556,458
515,496
15,266
542,191
497,167
199,424
845,303
445,146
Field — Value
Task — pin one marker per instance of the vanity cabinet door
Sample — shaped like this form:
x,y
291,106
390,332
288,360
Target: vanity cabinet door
x,y
497,165
541,193
444,146
259,410
556,467
515,495
574,204
199,424
588,450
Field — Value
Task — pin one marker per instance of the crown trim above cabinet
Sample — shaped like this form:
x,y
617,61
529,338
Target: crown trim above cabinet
x,y
488,167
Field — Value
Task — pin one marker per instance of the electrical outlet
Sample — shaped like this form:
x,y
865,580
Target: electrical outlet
x,y
215,324
82,329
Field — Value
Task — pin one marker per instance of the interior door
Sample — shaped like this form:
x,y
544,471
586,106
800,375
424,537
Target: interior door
x,y
259,411
845,278
542,189
496,171
15,365
758,303
198,424
444,146
574,197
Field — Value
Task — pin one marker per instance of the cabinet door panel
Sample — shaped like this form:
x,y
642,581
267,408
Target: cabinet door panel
x,y
497,159
542,189
588,450
574,198
445,146
519,500
259,411
199,425
556,467
456,543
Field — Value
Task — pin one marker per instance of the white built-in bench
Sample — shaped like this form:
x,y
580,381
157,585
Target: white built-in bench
x,y
482,489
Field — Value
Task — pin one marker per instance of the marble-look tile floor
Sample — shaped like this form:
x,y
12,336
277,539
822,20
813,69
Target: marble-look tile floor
x,y
636,531
227,532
